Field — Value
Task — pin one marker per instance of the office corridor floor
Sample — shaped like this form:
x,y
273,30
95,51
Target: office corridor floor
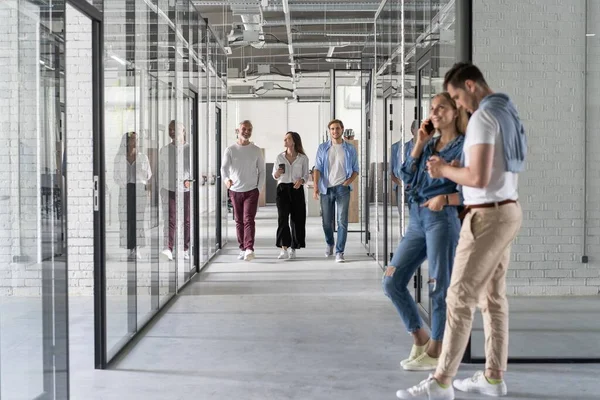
x,y
305,329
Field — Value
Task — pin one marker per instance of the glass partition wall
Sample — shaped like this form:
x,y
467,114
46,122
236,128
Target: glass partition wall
x,y
414,48
164,71
33,214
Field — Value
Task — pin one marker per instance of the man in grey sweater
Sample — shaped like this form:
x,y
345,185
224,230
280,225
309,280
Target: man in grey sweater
x,y
243,171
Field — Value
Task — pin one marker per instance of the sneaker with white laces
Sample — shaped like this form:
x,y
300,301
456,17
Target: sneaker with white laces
x,y
168,254
241,255
422,363
479,384
329,251
291,253
429,389
186,255
415,352
249,256
282,254
339,257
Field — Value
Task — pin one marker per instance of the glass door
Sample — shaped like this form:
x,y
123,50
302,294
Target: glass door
x,y
33,264
424,95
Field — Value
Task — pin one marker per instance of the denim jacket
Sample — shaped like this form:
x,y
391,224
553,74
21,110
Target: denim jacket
x,y
513,133
322,163
421,186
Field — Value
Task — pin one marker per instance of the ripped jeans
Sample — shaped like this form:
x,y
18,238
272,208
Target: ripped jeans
x,y
432,236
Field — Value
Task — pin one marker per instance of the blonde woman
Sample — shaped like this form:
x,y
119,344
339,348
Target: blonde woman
x,y
432,233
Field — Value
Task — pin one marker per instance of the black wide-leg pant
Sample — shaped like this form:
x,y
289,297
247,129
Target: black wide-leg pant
x,y
291,220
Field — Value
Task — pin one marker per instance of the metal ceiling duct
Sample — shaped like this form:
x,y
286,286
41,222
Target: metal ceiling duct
x,y
320,6
341,43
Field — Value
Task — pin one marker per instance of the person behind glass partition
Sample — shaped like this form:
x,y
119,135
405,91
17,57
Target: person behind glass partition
x,y
396,163
131,174
175,178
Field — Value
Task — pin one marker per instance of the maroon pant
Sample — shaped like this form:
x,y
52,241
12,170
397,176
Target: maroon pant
x,y
244,210
170,211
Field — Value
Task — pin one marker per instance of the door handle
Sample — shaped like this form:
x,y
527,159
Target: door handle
x,y
96,195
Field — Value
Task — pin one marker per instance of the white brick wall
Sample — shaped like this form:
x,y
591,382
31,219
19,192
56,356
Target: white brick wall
x,y
79,153
534,50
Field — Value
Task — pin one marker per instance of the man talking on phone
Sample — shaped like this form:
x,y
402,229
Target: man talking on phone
x,y
243,171
336,167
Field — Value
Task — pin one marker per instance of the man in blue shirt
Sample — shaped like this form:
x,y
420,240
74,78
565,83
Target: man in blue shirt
x,y
336,167
396,162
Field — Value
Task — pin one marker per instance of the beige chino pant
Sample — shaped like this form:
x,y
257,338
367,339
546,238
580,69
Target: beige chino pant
x,y
479,280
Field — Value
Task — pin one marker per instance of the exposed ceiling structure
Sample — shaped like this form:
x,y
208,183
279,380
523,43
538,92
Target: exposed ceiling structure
x,y
287,43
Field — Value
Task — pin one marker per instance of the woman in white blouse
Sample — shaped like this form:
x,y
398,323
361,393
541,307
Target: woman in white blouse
x,y
291,172
132,173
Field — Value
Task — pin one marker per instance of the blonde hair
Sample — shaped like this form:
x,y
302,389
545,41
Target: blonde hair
x,y
462,118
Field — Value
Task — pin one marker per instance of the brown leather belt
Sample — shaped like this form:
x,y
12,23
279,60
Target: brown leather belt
x,y
468,208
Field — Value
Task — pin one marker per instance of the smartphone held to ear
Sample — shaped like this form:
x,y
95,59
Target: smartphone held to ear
x,y
429,127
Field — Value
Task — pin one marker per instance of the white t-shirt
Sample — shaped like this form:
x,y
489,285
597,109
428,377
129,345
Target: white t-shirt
x,y
245,166
294,171
337,170
483,128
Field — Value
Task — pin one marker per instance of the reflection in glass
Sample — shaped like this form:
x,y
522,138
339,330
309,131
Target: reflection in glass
x,y
174,181
131,174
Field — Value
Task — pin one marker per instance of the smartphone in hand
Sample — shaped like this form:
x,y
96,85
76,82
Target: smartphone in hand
x,y
429,128
282,167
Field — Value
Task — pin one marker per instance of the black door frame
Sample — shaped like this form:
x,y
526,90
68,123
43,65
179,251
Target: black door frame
x,y
387,130
96,18
195,133
365,174
218,187
422,62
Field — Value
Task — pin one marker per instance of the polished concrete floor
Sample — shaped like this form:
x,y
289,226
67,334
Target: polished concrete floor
x,y
306,329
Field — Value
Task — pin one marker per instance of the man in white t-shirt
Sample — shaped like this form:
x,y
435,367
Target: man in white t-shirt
x,y
494,153
336,167
243,171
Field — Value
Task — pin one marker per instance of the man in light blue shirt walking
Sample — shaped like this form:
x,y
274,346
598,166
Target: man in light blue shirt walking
x,y
336,167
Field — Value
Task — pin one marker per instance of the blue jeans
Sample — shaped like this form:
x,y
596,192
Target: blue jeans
x,y
432,236
340,197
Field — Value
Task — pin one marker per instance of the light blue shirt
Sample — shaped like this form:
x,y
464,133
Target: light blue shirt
x,y
396,160
322,163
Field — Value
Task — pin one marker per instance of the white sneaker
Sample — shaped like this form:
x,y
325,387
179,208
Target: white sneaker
x,y
329,251
168,254
422,363
249,256
339,258
282,254
241,255
186,255
291,253
415,352
479,384
428,389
